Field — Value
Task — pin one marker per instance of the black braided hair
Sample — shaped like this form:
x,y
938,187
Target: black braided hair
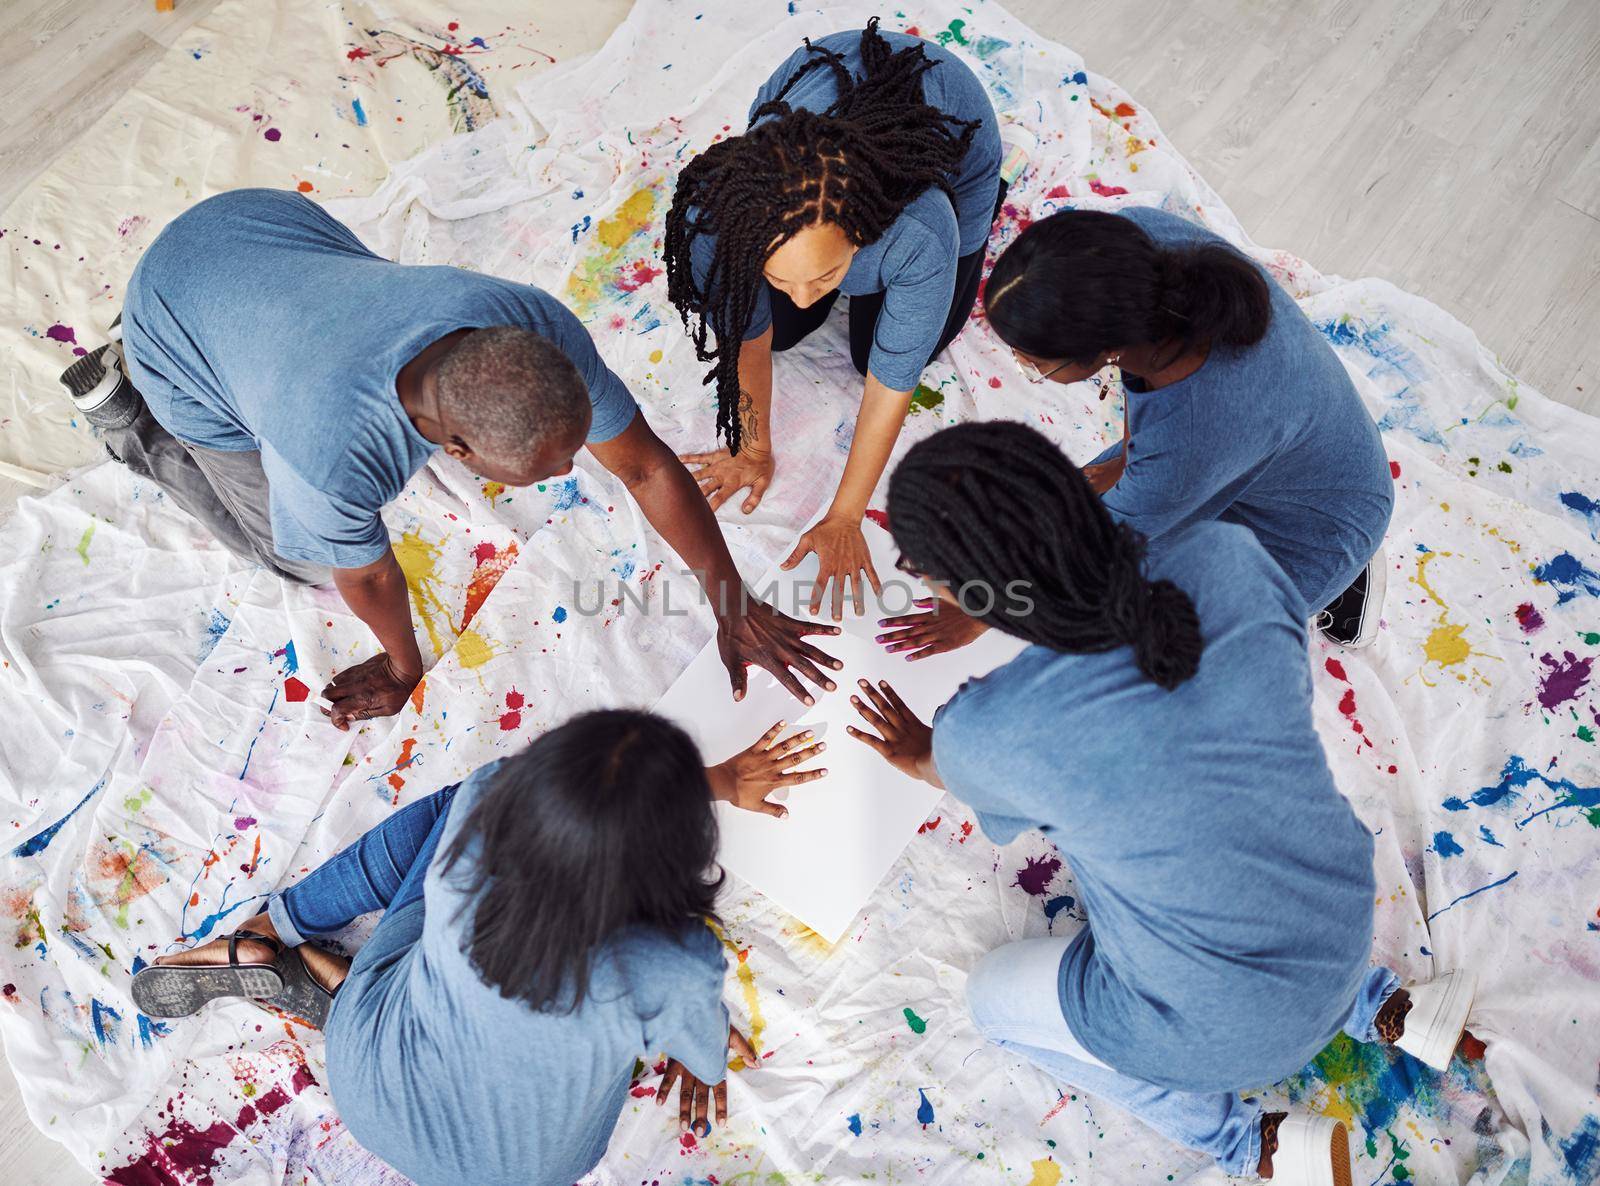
x,y
996,503
1083,282
856,165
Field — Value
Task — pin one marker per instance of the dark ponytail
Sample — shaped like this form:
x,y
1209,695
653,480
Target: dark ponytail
x,y
1083,282
997,503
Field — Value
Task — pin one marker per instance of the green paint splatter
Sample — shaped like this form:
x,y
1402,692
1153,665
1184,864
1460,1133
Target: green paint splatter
x,y
954,33
1505,468
1591,638
926,398
134,804
1401,1152
1585,733
918,1026
83,543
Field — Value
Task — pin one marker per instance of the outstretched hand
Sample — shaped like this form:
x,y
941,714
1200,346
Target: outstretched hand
x,y
746,779
721,475
940,628
776,643
696,1098
903,740
842,559
373,688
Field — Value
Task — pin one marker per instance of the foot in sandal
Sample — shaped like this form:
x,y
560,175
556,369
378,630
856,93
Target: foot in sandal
x,y
1304,1151
252,962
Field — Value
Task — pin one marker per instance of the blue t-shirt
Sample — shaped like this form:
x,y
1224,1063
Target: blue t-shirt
x,y
437,1073
1273,436
914,263
1227,882
258,321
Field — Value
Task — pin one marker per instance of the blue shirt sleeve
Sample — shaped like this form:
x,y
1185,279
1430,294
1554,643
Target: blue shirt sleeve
x,y
702,251
692,1022
614,407
319,527
919,270
1174,468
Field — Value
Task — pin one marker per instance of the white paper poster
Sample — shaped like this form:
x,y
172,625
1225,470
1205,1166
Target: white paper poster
x,y
843,832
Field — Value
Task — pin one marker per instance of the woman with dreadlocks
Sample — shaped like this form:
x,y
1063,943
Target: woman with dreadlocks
x,y
1159,732
871,167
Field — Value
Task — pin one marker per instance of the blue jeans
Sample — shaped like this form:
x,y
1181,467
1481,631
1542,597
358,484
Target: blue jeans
x,y
383,870
1013,994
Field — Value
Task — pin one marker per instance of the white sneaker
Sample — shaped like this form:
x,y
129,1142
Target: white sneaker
x,y
1438,1016
1020,145
1312,1151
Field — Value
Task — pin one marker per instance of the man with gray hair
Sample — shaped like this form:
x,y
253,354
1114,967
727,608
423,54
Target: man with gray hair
x,y
282,384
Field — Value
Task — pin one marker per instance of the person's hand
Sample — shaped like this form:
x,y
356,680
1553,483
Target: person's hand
x,y
774,642
940,628
722,475
374,688
1106,474
842,558
903,740
746,779
695,1098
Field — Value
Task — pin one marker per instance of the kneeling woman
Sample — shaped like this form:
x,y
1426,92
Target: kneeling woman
x,y
1159,732
544,926
871,167
1237,407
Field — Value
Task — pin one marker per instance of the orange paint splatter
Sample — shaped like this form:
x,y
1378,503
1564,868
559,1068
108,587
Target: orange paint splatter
x,y
492,564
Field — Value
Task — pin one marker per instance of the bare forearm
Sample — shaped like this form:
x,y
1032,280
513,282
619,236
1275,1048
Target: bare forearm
x,y
877,428
755,393
377,595
676,508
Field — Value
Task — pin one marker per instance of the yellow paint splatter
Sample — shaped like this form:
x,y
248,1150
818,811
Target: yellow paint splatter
x,y
493,490
592,280
473,649
419,560
1446,643
631,217
747,988
655,356
1045,1173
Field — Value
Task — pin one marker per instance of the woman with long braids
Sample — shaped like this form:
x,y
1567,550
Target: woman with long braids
x,y
871,167
1237,407
544,925
1159,732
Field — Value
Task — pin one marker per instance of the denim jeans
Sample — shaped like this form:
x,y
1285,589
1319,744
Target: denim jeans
x,y
1013,994
383,870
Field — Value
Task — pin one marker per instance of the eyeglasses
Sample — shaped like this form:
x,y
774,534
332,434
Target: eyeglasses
x,y
1032,373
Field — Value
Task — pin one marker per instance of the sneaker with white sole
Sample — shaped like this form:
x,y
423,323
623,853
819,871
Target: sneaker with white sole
x,y
1438,1017
1312,1151
100,388
1351,619
1020,145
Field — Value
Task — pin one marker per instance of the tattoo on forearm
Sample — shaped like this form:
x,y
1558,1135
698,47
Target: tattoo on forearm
x,y
748,419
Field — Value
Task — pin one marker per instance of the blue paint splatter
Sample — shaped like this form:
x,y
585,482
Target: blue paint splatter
x,y
1445,845
215,629
1585,506
579,228
100,1013
1487,836
1569,577
924,1109
567,495
361,116
291,661
37,844
560,615
1472,894
149,1030
854,1121
1517,775
1055,906
1581,1151
1078,79
250,753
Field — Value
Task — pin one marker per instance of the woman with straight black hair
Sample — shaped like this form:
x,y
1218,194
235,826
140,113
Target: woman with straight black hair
x,y
1159,732
546,924
871,166
1237,408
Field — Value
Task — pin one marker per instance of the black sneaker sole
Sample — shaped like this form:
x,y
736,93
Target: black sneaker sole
x,y
119,409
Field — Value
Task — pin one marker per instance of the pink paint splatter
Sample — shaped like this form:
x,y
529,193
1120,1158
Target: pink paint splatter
x,y
1565,680
273,135
636,275
1104,190
1035,877
131,225
1529,618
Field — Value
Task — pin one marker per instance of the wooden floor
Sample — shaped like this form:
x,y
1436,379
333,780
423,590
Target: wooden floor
x,y
1450,146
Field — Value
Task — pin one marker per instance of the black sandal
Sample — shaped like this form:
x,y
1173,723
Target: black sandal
x,y
180,990
301,996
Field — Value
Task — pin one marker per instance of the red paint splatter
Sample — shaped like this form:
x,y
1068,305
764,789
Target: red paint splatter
x,y
642,1093
357,54
1059,191
881,518
912,31
1104,190
492,564
1394,469
305,187
294,691
1471,1047
453,26
929,825
1035,877
1336,669
966,830
512,718
688,1142
994,380
9,991
1347,702
183,1153
1529,618
636,275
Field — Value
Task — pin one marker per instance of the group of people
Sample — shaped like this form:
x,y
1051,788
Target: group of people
x,y
549,920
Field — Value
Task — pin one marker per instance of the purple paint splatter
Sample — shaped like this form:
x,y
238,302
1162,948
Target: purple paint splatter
x,y
1565,680
1035,877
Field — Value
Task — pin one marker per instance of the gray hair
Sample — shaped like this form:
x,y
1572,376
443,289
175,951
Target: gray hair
x,y
506,390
